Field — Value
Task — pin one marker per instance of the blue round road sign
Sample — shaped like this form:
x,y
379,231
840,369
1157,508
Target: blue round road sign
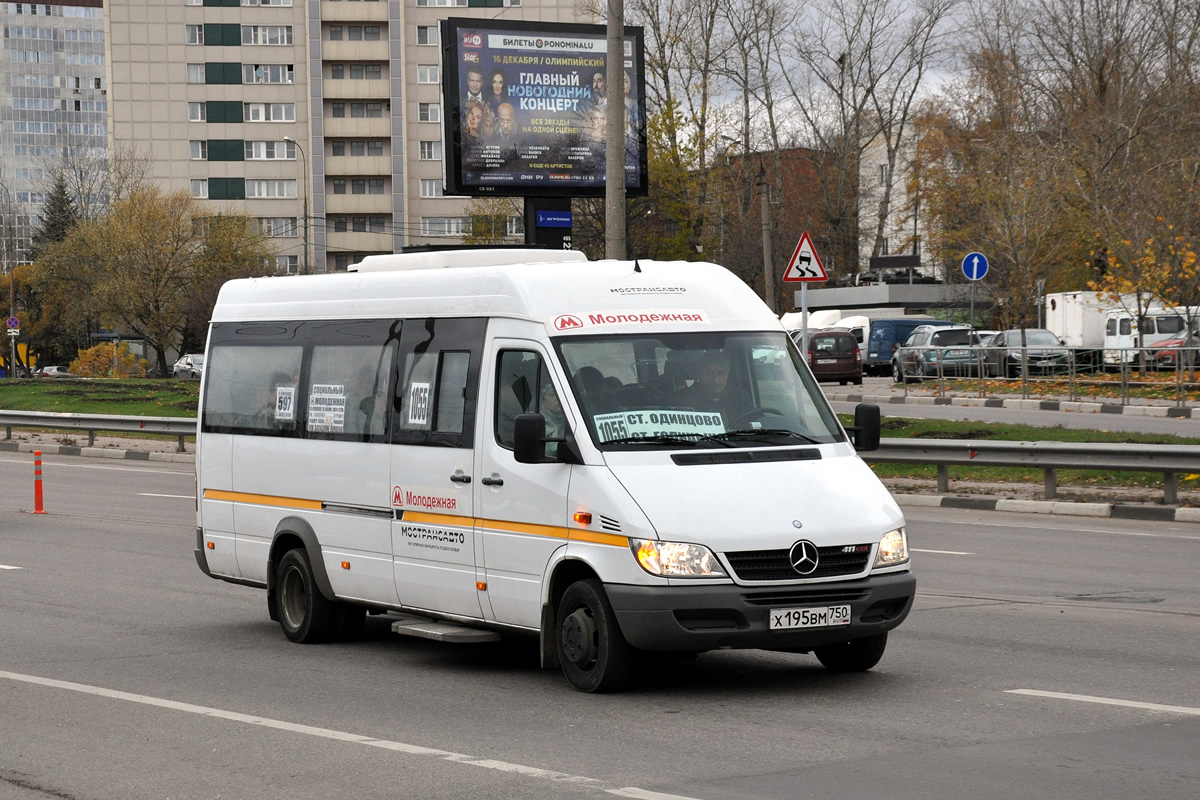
x,y
975,266
13,322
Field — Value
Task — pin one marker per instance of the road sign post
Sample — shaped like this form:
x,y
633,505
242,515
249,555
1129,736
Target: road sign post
x,y
974,267
804,267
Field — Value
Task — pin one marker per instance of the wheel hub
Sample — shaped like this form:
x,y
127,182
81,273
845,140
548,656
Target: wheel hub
x,y
578,636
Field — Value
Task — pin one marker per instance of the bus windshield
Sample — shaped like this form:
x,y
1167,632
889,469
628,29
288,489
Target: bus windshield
x,y
696,390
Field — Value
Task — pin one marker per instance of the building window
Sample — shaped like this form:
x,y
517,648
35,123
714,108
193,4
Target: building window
x,y
278,227
427,34
374,109
195,34
287,265
431,187
266,2
883,174
358,148
339,185
374,72
338,148
270,112
443,226
356,71
430,151
339,109
195,73
342,262
268,73
377,225
375,185
441,3
354,33
375,147
337,72
270,188
429,112
199,188
358,186
267,34
358,109
339,224
196,112
335,33
359,224
271,151
198,150
371,33
429,73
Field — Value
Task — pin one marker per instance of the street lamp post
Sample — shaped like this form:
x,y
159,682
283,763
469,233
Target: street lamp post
x,y
12,360
304,180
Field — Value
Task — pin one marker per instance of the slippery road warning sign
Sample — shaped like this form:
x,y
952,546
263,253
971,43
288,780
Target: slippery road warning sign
x,y
805,265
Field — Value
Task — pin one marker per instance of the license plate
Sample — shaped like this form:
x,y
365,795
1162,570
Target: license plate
x,y
826,360
829,617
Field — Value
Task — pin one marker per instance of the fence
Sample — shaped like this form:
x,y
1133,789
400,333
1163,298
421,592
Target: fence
x,y
180,427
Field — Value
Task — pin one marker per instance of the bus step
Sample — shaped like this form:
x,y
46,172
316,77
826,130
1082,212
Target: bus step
x,y
426,628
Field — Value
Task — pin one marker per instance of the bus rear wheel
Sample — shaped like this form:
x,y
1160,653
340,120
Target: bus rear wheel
x,y
594,655
304,613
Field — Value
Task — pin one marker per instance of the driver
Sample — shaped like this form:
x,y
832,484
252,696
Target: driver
x,y
710,391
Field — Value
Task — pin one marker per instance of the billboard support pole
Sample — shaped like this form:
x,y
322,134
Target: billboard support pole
x,y
614,151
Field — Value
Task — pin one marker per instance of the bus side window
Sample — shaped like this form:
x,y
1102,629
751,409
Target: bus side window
x,y
438,366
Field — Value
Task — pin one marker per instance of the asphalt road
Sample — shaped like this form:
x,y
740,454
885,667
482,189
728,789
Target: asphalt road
x,y
1045,658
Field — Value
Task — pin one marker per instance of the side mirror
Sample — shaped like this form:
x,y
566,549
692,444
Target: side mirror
x,y
529,439
866,427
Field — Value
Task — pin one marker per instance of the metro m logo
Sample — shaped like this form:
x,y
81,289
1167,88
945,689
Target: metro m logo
x,y
567,322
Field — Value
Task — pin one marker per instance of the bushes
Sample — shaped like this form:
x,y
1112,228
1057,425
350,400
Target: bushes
x,y
108,360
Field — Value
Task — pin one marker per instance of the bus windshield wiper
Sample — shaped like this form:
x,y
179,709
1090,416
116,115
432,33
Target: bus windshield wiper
x,y
652,440
756,433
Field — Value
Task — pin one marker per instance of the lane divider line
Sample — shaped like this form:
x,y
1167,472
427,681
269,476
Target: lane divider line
x,y
940,552
341,736
1108,701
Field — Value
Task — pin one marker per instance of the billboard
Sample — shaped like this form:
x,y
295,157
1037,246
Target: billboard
x,y
525,108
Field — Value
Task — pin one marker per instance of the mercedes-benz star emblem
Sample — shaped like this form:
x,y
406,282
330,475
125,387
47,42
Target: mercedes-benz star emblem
x,y
804,557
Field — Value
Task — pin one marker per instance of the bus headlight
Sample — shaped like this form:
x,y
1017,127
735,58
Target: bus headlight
x,y
893,549
676,559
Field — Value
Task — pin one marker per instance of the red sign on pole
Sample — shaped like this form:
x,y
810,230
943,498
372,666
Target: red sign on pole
x,y
805,265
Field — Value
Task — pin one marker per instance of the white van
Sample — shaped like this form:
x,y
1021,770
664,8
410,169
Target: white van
x,y
1158,324
613,455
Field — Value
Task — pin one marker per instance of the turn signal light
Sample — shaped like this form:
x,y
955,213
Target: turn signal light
x,y
583,517
481,586
212,545
345,565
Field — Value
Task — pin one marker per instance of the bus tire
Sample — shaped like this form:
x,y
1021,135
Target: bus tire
x,y
304,614
591,650
856,655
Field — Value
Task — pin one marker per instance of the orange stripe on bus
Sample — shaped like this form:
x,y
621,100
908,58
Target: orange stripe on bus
x,y
262,499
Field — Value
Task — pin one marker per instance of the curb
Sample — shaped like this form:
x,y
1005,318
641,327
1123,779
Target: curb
x,y
1111,510
97,452
1020,404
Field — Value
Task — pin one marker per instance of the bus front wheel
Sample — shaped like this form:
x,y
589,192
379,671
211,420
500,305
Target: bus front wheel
x,y
594,655
304,613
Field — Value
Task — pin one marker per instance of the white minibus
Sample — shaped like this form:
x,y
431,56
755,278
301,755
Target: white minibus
x,y
613,456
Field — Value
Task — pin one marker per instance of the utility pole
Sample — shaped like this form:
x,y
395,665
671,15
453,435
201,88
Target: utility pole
x,y
303,179
764,188
614,151
12,340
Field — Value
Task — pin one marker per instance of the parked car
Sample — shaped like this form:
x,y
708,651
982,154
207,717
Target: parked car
x,y
189,366
834,356
1046,353
52,372
985,337
951,348
885,336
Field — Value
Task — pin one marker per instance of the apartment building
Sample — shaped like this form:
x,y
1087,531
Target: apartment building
x,y
53,104
322,119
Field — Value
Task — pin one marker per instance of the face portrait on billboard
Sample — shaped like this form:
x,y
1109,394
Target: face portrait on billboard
x,y
475,84
496,94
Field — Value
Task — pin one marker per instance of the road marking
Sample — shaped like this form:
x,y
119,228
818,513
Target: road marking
x,y
6,566
1108,701
940,552
342,736
155,465
1065,528
179,496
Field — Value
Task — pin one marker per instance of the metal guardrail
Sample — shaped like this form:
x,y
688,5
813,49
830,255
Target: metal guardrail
x,y
1169,459
180,427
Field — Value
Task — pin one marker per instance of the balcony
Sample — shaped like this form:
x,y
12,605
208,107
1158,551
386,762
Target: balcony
x,y
345,205
358,165
358,127
357,89
354,51
354,12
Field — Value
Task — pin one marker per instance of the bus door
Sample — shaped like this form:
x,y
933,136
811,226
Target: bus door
x,y
523,506
434,542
